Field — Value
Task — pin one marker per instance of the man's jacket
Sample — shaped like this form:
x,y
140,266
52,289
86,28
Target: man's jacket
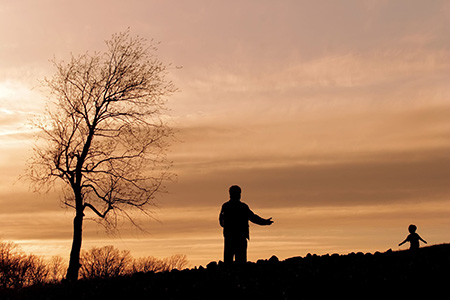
x,y
234,217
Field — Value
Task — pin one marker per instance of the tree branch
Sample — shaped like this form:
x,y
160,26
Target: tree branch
x,y
96,211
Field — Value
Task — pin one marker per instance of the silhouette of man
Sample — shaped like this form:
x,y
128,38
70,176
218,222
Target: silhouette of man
x,y
234,217
413,238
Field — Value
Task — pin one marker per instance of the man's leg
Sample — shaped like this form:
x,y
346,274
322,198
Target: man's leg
x,y
229,250
241,250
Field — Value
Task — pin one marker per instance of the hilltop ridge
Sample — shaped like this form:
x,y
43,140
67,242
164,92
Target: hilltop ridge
x,y
387,275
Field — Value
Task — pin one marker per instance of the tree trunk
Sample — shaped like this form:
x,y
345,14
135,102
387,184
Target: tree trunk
x,y
74,263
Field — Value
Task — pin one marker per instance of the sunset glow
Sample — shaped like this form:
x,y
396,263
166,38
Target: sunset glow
x,y
333,117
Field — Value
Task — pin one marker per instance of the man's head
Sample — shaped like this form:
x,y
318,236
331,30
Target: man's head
x,y
235,193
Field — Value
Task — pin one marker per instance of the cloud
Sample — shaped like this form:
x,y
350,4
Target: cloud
x,y
389,178
317,135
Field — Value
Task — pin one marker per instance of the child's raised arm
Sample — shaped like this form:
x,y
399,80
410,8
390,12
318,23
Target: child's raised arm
x,y
420,238
403,242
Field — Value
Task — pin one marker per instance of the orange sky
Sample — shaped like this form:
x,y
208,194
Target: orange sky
x,y
331,115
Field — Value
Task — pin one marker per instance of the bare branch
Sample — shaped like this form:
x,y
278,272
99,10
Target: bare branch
x,y
101,215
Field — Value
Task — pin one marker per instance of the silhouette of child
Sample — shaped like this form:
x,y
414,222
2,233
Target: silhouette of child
x,y
413,238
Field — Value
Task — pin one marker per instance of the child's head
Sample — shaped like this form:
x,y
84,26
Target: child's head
x,y
412,228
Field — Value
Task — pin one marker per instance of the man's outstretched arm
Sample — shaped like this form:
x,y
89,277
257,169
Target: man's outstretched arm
x,y
254,218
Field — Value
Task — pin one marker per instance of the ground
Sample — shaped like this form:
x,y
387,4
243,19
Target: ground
x,y
387,275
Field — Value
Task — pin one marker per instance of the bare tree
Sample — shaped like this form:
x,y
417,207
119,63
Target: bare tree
x,y
18,269
56,269
13,266
105,134
148,264
177,261
104,262
38,272
153,264
108,262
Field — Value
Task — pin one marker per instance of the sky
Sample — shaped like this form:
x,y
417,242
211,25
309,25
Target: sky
x,y
332,116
